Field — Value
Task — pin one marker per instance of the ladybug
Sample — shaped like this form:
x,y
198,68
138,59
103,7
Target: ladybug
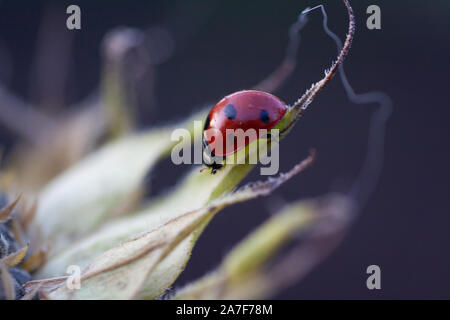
x,y
247,109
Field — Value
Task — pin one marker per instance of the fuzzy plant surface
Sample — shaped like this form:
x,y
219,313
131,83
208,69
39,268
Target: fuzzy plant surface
x,y
13,278
88,209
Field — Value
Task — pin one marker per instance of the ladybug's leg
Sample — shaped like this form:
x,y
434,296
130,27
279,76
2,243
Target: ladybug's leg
x,y
215,167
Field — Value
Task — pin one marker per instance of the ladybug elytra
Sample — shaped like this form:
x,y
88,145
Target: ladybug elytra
x,y
239,112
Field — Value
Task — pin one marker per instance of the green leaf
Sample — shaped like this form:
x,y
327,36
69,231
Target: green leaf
x,y
84,196
146,265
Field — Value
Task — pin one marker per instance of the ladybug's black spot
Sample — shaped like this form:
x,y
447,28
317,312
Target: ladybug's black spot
x,y
230,111
264,116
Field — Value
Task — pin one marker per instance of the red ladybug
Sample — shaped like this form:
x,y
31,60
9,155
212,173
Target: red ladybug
x,y
247,109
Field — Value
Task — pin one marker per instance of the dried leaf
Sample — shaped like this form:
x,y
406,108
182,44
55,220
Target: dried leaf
x,y
43,285
5,212
14,258
32,292
34,261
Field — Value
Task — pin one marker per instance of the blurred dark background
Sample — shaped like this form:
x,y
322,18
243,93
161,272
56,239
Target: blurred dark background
x,y
225,46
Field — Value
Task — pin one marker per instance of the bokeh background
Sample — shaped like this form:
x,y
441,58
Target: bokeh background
x,y
223,46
